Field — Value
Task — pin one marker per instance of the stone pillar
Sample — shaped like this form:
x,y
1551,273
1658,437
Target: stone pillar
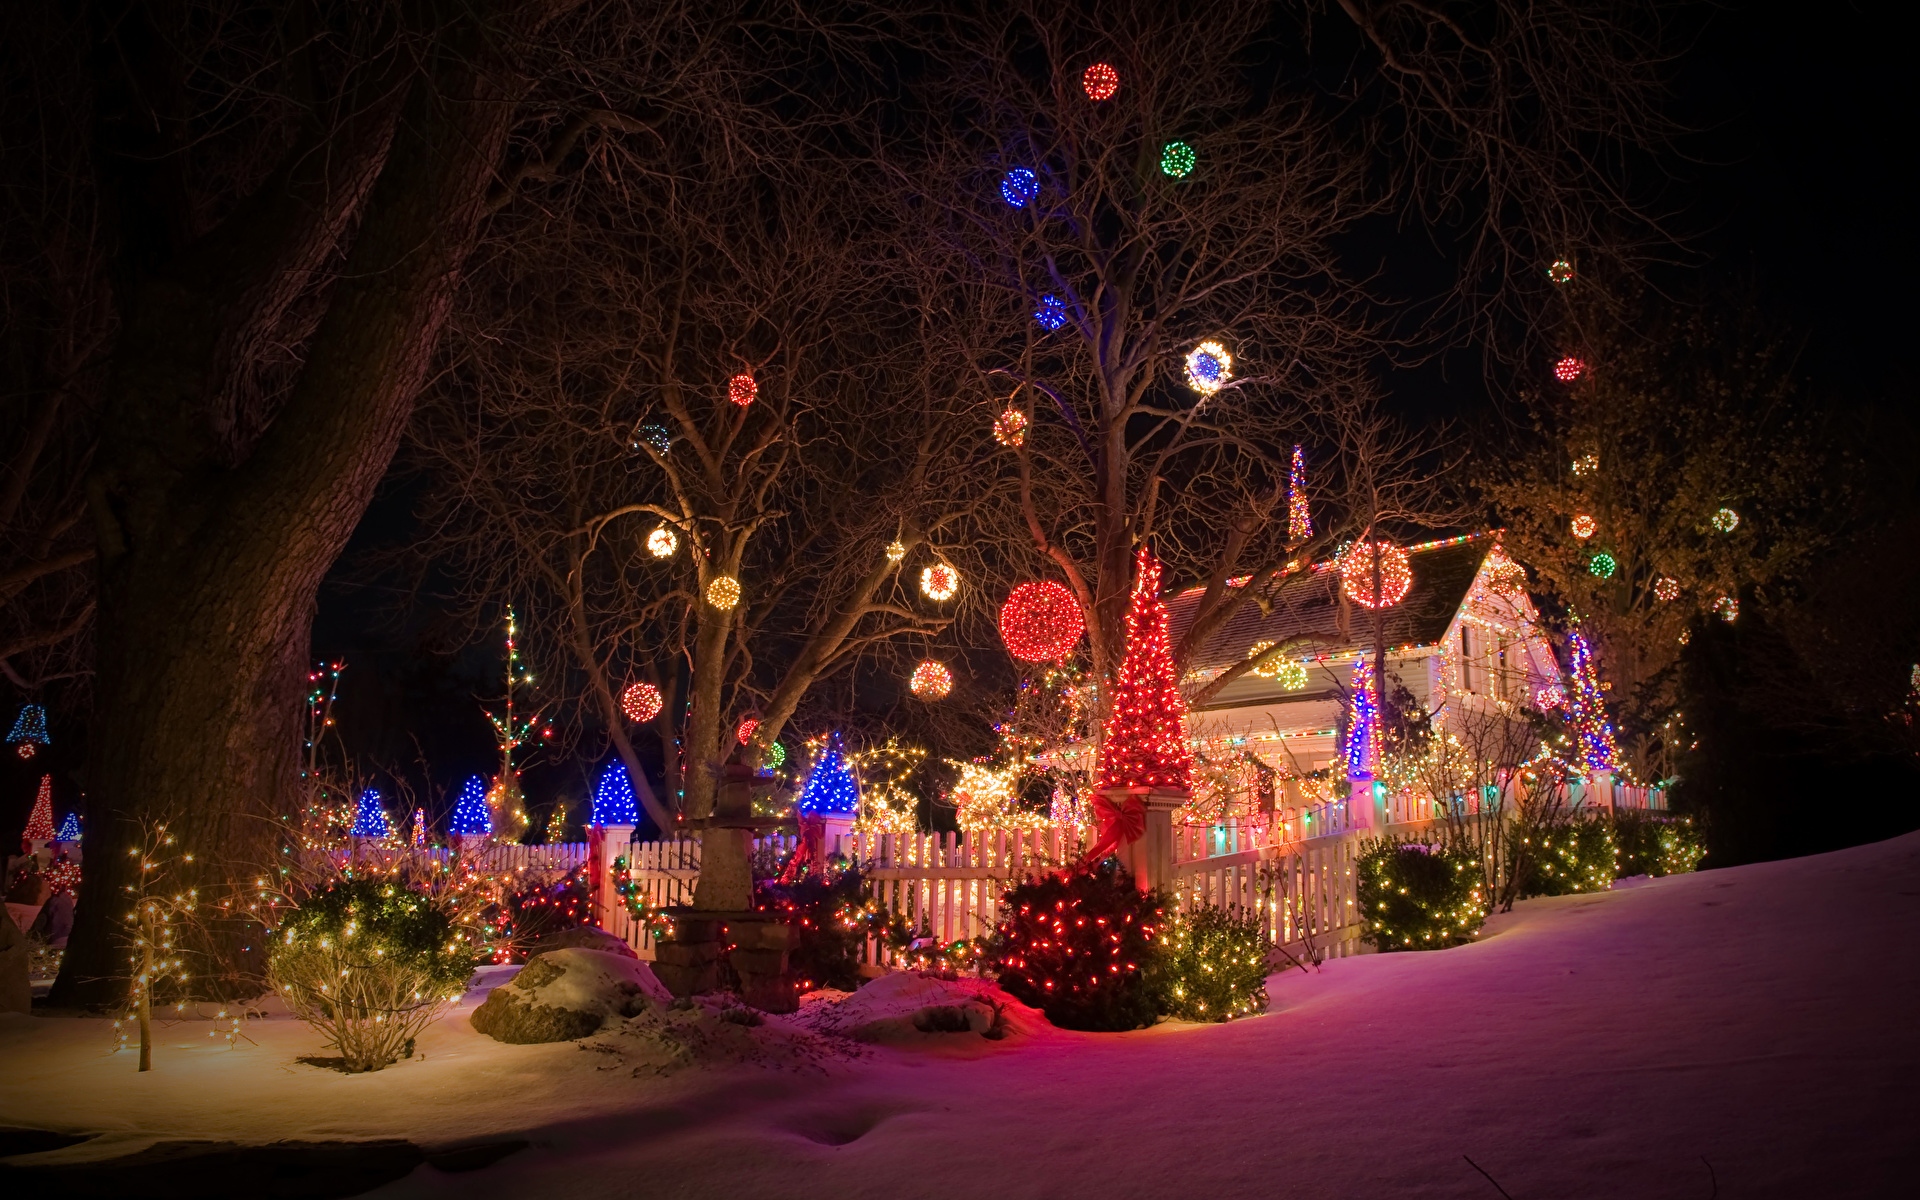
x,y
1149,858
726,850
604,844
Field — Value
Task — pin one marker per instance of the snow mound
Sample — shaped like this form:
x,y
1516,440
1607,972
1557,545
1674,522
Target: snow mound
x,y
713,1031
917,1008
566,994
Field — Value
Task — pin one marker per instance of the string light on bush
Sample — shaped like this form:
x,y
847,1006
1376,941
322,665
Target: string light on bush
x,y
723,591
1602,565
1728,608
1726,520
1561,272
1299,513
1666,588
661,543
1052,313
1010,428
1358,564
1041,622
369,819
471,816
1584,526
896,550
1100,82
1569,369
641,702
613,800
743,390
930,681
1209,366
1019,186
939,582
1177,160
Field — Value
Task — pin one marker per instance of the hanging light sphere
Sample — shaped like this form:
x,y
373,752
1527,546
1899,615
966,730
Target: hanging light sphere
x,y
1209,366
653,435
1726,520
1561,272
1583,526
1010,427
1177,160
940,581
1666,588
723,591
1356,565
1549,698
743,733
1569,369
1290,674
1041,622
661,543
1019,186
1052,312
896,550
1728,607
776,754
1602,565
641,702
1586,464
1101,82
743,390
930,681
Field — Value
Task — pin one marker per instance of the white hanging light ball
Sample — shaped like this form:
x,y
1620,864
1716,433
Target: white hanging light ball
x,y
1209,366
940,582
661,543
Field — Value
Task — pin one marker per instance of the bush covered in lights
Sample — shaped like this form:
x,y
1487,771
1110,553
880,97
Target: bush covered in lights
x,y
369,963
1654,844
1213,965
1577,856
1083,948
832,919
545,905
1416,897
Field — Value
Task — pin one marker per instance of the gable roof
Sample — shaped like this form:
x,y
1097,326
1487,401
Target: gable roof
x,y
1307,604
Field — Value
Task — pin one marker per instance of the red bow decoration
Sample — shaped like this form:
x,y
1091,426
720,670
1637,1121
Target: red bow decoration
x,y
1119,824
809,853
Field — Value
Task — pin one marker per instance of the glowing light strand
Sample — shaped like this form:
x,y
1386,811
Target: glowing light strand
x,y
1299,513
1587,710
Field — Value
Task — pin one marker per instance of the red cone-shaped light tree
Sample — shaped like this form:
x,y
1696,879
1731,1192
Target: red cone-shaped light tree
x,y
1146,734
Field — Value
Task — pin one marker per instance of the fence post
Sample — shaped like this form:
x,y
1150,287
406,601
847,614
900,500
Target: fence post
x,y
604,844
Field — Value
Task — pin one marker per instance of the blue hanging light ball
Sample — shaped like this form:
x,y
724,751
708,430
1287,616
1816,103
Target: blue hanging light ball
x,y
1052,313
1019,186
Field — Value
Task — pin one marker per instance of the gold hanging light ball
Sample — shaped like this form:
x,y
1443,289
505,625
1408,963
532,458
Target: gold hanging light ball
x,y
723,591
896,550
661,543
930,681
1584,526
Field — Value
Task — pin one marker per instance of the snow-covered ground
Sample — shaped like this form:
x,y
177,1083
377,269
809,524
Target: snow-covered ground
x,y
1755,1030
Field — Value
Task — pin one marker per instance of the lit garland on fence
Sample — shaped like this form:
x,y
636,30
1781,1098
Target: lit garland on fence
x,y
831,787
29,731
1100,82
641,702
1560,272
40,820
930,681
723,592
639,905
1584,526
1019,186
661,543
1587,710
1603,565
1178,160
1357,563
1569,369
1209,366
939,582
743,390
1666,588
471,816
1726,520
1299,514
69,829
1146,741
1041,622
369,819
1291,675
1010,428
1052,313
1362,749
613,800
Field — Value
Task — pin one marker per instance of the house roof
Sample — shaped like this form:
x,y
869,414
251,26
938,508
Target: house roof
x,y
1307,604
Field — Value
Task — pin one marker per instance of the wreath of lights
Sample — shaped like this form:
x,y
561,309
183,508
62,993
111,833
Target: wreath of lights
x,y
1569,369
930,681
1666,588
1019,186
641,702
655,436
1561,272
723,592
661,543
1584,526
1290,674
1728,607
1100,81
743,390
1603,565
939,582
1726,520
896,550
1041,622
743,732
1010,428
1177,160
1586,464
1356,564
1052,313
1209,366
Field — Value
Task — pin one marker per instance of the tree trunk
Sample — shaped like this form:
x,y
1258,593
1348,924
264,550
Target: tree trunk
x,y
209,571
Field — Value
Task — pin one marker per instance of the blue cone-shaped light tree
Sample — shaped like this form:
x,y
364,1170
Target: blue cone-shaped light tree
x,y
613,800
471,816
369,819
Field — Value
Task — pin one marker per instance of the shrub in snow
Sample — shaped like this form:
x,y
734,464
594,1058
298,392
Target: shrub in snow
x,y
370,963
832,918
1651,845
1577,856
1213,964
1417,897
567,994
1083,948
527,919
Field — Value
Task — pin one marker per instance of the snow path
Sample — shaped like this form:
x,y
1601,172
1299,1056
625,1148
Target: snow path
x,y
1760,1019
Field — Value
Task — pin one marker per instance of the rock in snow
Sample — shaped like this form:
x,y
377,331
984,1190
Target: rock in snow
x,y
581,937
566,994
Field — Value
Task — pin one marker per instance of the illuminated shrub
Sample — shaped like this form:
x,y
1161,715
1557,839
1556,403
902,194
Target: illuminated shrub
x,y
1214,965
1578,856
1416,897
1653,845
1083,948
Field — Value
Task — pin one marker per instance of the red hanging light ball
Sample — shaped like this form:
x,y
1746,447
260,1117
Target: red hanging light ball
x,y
1569,369
1041,622
1356,574
742,390
744,733
641,702
1101,81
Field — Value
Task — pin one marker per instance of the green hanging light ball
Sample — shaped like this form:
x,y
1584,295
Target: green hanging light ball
x,y
776,755
1603,565
1177,159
